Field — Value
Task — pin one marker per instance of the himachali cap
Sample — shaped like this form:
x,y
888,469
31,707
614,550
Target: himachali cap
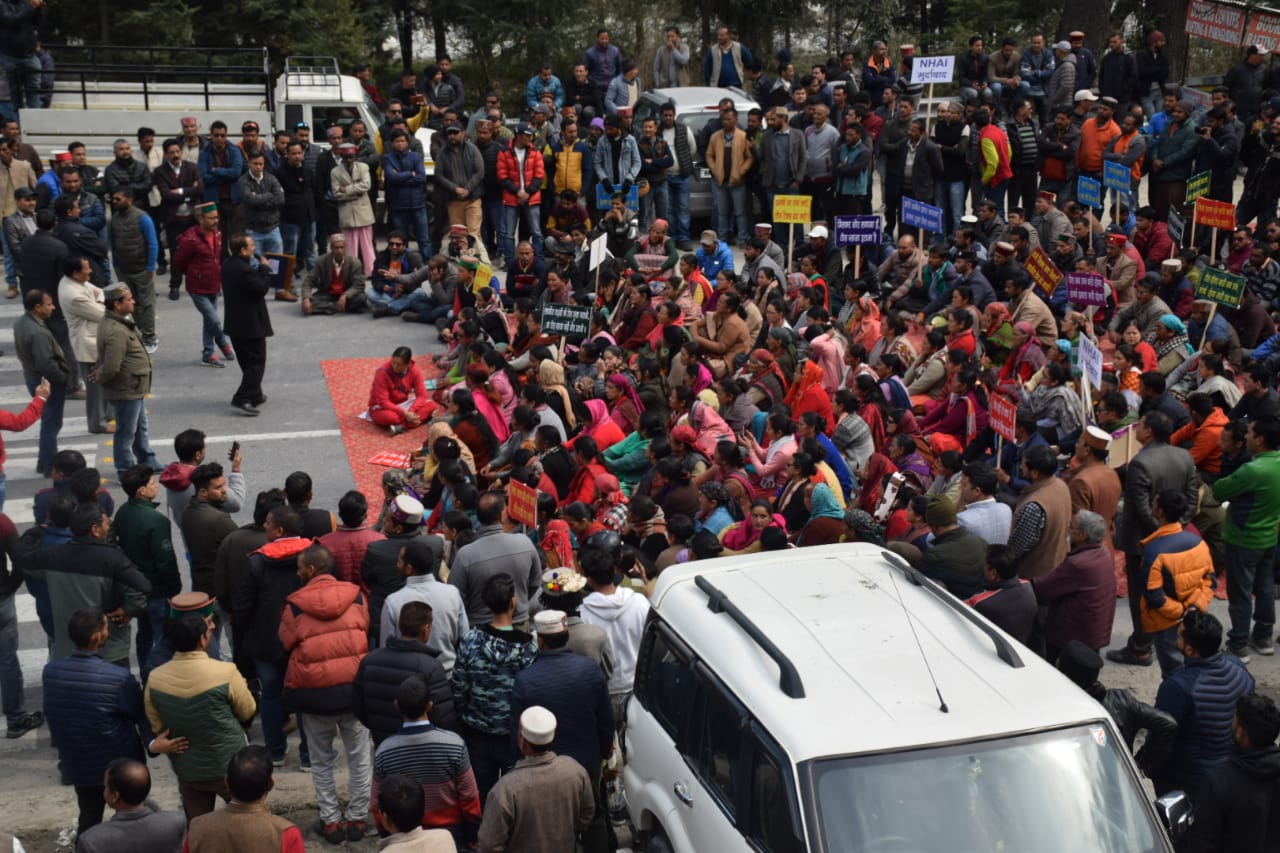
x,y
764,226
207,208
62,156
469,262
1004,249
190,602
538,725
969,219
248,125
1108,101
1096,437
1116,239
346,148
1065,238
1172,264
1047,196
907,50
457,229
547,622
1075,34
406,510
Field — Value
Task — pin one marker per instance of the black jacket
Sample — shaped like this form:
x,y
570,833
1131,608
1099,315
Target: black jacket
x,y
1132,716
380,573
41,263
19,22
299,198
80,239
245,291
926,170
1238,805
270,577
378,680
1118,76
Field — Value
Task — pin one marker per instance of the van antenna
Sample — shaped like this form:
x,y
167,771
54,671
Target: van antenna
x,y
942,703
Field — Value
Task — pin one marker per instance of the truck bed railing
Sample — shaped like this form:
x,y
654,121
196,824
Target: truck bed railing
x,y
87,72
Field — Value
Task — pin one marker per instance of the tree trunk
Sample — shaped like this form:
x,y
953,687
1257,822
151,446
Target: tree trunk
x,y
1093,18
104,20
438,28
404,33
1170,19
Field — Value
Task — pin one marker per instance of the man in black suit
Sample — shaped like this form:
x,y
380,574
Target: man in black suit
x,y
246,281
41,269
181,189
919,167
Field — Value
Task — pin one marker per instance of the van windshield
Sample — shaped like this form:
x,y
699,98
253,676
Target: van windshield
x,y
1055,792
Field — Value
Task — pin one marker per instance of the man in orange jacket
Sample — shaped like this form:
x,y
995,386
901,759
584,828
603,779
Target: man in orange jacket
x,y
1179,575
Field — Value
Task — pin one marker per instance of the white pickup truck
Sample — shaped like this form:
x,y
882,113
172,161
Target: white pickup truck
x,y
104,93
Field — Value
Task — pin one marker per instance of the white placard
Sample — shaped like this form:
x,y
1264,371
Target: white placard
x,y
598,251
1091,362
932,69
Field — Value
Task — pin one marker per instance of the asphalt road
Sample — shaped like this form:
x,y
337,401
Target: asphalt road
x,y
296,431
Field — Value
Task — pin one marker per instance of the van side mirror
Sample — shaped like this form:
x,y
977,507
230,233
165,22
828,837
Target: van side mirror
x,y
1176,813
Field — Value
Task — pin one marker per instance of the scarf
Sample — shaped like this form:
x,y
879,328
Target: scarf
x,y
442,429
558,541
624,384
812,376
823,503
743,535
879,466
609,492
599,410
864,526
867,330
551,378
709,426
656,526
478,376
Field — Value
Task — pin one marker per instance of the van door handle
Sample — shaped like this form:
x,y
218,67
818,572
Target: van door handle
x,y
682,793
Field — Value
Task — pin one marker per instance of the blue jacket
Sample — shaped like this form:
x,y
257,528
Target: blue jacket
x,y
405,178
535,87
1202,698
484,672
95,714
712,262
573,688
215,178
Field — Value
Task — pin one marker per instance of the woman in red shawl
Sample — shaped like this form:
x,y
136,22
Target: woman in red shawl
x,y
488,401
602,429
669,314
557,545
864,323
809,393
1026,358
963,414
743,537
872,478
393,382
709,426
624,403
766,382
873,408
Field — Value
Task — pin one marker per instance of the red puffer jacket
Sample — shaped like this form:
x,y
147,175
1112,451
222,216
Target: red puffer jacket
x,y
325,627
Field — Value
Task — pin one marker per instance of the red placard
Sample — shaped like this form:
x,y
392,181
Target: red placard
x,y
390,459
522,503
1043,271
1003,416
1215,214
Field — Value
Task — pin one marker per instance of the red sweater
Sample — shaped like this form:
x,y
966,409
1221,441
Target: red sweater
x,y
20,421
199,260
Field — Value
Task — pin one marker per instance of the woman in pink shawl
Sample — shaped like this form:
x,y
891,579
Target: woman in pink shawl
x,y
709,426
602,429
483,393
624,403
864,325
828,352
743,537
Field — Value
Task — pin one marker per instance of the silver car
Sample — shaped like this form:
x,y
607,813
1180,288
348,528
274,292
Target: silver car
x,y
696,108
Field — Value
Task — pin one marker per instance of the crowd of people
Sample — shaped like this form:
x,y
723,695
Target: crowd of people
x,y
716,407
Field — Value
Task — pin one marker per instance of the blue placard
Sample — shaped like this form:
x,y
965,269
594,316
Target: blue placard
x,y
859,230
921,215
1088,192
603,199
1115,175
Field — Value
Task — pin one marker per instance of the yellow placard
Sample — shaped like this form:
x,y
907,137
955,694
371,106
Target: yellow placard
x,y
792,209
484,275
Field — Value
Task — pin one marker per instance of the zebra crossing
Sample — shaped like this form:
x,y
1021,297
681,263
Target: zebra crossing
x,y
22,482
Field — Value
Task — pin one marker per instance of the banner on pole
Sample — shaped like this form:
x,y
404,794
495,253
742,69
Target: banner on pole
x,y
1198,185
1091,361
522,503
859,230
1004,415
1043,271
920,215
1086,288
932,69
567,320
1088,192
1215,214
1221,287
792,209
1115,175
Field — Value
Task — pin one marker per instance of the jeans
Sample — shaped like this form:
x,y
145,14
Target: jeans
x,y
24,78
212,334
491,755
11,685
321,731
1004,96
950,197
1167,654
512,216
413,223
731,207
299,244
10,269
3,480
268,241
421,303
996,194
1251,590
653,205
678,206
91,805
397,304
131,444
50,423
150,626
271,704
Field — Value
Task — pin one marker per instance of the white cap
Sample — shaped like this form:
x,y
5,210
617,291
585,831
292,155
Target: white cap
x,y
549,622
538,725
1085,95
764,226
406,509
1171,264
1260,50
1061,45
818,231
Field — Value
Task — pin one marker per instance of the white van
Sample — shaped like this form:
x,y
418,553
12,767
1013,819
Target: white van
x,y
834,699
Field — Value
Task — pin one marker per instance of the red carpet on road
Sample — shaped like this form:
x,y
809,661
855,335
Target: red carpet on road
x,y
349,380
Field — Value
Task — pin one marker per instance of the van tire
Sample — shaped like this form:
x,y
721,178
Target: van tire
x,y
658,842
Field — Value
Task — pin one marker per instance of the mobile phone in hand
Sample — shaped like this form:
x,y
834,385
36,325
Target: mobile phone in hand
x,y
235,448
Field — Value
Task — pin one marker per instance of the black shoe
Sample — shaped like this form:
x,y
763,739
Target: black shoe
x,y
162,269
410,317
25,723
380,310
1129,656
247,408
334,833
260,400
173,294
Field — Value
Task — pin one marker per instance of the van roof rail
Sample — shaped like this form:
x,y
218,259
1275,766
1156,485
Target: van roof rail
x,y
717,602
314,72
1004,649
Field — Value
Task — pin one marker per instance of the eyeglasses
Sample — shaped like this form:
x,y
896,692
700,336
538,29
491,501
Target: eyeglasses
x,y
394,244
394,112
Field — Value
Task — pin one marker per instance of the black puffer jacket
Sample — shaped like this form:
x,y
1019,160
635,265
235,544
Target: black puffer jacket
x,y
1238,806
373,695
270,577
95,711
19,21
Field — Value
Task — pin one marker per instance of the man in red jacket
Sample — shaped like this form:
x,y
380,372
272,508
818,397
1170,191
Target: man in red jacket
x,y
199,260
521,173
325,628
